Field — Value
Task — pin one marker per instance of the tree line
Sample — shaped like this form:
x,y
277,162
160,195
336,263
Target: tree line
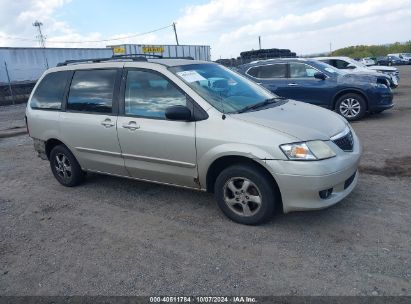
x,y
361,51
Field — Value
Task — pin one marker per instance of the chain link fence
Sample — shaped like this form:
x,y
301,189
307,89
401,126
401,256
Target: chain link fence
x,y
13,92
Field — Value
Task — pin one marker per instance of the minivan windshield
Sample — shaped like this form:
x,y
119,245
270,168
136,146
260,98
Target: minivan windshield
x,y
223,88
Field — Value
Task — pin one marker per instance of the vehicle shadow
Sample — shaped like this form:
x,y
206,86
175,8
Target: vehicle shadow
x,y
185,205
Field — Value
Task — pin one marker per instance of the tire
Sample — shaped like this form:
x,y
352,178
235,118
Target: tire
x,y
351,106
234,198
65,167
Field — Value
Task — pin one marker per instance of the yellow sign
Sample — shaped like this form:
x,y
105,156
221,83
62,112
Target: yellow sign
x,y
153,49
119,50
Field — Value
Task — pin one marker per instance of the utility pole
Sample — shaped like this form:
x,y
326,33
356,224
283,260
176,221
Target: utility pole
x,y
40,36
330,48
42,40
175,32
259,41
8,79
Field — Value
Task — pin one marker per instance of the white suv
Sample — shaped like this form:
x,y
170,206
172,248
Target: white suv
x,y
348,64
196,125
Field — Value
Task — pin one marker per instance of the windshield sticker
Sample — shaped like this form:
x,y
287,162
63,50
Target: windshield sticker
x,y
190,76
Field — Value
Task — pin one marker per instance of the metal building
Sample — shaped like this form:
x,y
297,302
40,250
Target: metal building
x,y
198,52
27,64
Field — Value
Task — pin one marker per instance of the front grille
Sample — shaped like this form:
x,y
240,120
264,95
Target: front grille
x,y
345,143
349,181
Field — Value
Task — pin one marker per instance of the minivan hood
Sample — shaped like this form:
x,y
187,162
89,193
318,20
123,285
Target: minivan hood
x,y
300,120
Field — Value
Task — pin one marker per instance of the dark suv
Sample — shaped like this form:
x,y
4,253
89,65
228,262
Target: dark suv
x,y
389,60
315,82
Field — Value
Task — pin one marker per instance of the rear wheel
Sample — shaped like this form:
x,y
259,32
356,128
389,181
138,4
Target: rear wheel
x,y
65,167
245,194
351,106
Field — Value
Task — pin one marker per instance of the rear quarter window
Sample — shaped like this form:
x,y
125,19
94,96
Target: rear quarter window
x,y
49,93
92,91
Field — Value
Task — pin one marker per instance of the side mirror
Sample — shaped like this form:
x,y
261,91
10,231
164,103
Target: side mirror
x,y
180,113
320,75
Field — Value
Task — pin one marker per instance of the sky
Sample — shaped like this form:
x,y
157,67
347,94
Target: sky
x,y
228,26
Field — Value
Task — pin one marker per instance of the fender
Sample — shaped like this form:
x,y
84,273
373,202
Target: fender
x,y
232,149
350,90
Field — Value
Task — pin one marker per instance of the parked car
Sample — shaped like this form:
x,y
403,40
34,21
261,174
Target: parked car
x,y
367,61
315,82
196,125
389,60
346,63
404,57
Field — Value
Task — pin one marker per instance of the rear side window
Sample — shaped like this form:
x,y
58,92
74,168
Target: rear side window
x,y
49,93
269,71
92,91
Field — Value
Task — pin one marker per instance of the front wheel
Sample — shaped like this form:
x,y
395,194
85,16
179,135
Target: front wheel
x,y
245,194
351,106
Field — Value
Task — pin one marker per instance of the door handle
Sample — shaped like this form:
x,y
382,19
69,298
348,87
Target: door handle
x,y
132,126
108,123
292,84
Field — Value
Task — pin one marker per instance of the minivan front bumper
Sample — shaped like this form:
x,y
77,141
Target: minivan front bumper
x,y
303,192
311,185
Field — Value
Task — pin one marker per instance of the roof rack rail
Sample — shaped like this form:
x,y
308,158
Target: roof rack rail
x,y
186,57
133,57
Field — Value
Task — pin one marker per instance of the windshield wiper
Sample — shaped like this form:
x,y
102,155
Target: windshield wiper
x,y
260,104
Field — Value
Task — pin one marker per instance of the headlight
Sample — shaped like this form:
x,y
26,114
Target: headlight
x,y
310,150
379,85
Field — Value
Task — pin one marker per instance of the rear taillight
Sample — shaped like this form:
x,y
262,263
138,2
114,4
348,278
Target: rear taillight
x,y
27,125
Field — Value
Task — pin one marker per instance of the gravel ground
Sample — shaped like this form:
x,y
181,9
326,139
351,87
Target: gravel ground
x,y
114,236
12,116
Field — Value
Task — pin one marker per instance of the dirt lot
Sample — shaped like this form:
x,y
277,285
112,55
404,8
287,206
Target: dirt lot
x,y
113,236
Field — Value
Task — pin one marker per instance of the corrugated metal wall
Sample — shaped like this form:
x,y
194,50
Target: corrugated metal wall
x,y
198,52
27,64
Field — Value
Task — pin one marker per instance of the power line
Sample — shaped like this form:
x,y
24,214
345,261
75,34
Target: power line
x,y
88,41
114,39
17,38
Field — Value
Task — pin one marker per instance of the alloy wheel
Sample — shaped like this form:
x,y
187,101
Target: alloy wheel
x,y
242,196
63,166
350,107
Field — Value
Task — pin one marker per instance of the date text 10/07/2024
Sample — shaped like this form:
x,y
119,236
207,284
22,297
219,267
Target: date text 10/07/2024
x,y
201,299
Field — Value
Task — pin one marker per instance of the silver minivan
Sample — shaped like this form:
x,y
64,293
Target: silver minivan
x,y
192,124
